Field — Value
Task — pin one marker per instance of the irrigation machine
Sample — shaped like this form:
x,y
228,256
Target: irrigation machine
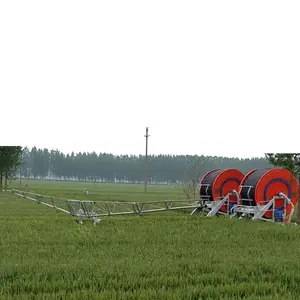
x,y
261,194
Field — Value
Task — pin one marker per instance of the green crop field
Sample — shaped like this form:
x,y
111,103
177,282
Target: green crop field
x,y
45,254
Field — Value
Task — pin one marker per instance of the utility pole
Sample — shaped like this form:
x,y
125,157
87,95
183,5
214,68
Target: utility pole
x,y
146,160
20,178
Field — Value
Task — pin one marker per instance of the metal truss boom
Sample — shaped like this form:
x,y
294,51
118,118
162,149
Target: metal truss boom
x,y
96,209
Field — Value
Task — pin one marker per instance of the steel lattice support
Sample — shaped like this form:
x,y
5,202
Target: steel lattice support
x,y
97,209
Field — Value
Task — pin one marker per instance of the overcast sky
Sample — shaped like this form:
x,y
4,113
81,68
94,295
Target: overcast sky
x,y
207,77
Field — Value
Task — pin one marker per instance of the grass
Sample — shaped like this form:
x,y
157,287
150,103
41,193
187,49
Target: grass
x,y
103,191
46,255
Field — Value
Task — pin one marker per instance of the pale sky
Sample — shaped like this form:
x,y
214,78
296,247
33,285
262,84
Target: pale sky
x,y
207,77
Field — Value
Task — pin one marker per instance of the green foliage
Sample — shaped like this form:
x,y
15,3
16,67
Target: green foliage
x,y
47,255
289,161
41,163
10,161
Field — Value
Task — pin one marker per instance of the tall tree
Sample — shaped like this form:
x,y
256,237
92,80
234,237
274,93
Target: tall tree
x,y
107,167
25,167
10,161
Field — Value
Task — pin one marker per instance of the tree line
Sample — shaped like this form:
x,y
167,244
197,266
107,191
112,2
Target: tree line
x,y
53,164
105,167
